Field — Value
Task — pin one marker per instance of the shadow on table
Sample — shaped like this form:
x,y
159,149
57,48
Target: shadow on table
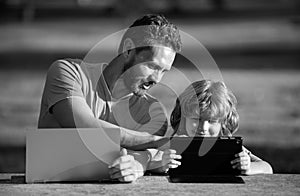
x,y
282,159
20,179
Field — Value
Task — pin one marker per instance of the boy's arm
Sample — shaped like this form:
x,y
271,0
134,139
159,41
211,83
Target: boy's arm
x,y
259,166
250,164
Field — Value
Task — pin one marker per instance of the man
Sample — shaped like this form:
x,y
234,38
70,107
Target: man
x,y
77,94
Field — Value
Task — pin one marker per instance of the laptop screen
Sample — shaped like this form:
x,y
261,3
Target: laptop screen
x,y
55,155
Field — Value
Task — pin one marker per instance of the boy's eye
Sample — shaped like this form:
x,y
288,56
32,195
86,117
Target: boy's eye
x,y
213,121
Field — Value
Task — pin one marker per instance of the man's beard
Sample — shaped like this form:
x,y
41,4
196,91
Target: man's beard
x,y
135,88
138,91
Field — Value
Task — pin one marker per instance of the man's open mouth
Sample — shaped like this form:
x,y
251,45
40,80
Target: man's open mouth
x,y
147,85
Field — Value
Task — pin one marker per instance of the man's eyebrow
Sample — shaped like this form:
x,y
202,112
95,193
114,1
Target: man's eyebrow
x,y
156,65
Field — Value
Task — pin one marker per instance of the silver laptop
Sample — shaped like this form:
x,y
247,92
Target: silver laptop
x,y
62,155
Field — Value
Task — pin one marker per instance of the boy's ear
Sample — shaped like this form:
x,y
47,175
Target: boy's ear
x,y
127,47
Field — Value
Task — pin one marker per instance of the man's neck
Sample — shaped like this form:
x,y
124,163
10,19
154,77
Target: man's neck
x,y
113,78
119,90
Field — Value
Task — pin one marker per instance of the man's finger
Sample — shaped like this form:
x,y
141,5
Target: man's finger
x,y
129,178
121,160
123,152
121,173
120,167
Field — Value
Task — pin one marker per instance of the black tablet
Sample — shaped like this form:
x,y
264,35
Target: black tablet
x,y
206,159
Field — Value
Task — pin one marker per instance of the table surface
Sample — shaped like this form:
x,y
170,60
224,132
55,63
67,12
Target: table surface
x,y
278,184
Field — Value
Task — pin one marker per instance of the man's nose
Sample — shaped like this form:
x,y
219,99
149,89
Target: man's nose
x,y
156,76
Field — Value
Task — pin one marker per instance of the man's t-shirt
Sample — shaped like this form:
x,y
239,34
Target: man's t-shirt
x,y
70,79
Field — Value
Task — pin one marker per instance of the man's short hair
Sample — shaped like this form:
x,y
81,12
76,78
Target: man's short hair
x,y
152,30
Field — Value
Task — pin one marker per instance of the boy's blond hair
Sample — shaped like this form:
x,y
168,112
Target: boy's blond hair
x,y
213,99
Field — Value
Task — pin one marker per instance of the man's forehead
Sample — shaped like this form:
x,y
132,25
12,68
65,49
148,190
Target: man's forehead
x,y
163,53
154,49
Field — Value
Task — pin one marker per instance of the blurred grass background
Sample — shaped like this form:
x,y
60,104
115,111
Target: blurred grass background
x,y
255,44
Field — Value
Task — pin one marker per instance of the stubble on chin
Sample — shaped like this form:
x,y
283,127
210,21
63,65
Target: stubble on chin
x,y
138,91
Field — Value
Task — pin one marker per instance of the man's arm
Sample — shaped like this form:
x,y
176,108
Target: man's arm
x,y
74,112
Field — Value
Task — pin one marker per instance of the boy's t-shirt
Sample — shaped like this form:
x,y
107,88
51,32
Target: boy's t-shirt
x,y
71,78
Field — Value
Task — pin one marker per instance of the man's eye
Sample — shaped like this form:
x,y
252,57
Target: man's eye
x,y
151,66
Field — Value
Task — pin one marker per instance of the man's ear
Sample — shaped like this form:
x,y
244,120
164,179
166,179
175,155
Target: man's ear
x,y
127,47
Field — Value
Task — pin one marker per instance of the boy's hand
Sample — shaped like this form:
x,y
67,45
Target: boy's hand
x,y
125,168
168,159
242,162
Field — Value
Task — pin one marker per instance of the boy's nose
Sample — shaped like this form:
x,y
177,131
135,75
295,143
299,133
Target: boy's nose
x,y
203,127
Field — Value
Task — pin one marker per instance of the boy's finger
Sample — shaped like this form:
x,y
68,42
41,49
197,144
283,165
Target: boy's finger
x,y
172,166
244,158
175,162
175,156
169,151
237,160
243,153
244,167
234,166
236,163
245,162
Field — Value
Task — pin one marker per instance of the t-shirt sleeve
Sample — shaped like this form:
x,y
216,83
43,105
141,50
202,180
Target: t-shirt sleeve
x,y
63,81
143,114
159,119
154,120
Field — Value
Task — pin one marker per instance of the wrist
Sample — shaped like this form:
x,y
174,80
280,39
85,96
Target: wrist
x,y
139,169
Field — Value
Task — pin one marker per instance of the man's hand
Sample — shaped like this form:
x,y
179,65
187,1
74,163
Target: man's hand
x,y
242,162
125,168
